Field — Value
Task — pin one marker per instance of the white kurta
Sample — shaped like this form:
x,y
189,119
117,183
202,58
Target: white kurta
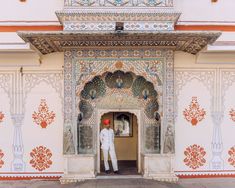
x,y
107,146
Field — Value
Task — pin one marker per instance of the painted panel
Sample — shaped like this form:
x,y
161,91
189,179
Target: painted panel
x,y
43,107
193,138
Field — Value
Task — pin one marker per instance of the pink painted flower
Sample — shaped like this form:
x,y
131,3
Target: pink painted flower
x,y
43,117
194,114
41,158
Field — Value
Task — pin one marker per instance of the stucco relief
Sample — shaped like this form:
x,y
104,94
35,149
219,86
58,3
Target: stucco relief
x,y
54,78
227,80
184,76
6,83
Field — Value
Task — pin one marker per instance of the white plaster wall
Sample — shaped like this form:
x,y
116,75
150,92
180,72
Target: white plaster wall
x,y
43,10
202,10
228,126
31,10
49,137
209,91
186,134
40,81
6,128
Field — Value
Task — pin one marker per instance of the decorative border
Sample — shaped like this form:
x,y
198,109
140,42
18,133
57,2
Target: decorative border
x,y
126,3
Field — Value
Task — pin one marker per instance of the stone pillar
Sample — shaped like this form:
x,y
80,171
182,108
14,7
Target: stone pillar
x,y
18,164
217,162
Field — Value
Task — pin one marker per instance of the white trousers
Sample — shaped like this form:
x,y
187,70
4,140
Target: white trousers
x,y
113,157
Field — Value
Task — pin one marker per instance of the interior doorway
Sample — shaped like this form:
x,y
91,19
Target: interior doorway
x,y
125,126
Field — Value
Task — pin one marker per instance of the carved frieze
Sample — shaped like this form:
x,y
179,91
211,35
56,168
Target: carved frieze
x,y
48,42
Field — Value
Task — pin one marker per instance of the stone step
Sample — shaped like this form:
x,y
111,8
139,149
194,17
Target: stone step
x,y
119,177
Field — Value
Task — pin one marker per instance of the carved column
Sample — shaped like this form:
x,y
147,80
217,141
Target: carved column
x,y
168,103
217,162
69,103
18,149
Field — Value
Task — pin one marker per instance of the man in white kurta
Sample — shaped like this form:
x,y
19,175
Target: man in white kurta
x,y
107,146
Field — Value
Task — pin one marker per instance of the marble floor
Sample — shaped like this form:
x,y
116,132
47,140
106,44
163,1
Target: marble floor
x,y
125,168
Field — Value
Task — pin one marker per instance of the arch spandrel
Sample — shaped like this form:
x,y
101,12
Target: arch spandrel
x,y
151,70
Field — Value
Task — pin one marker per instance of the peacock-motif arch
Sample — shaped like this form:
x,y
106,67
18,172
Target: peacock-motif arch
x,y
118,90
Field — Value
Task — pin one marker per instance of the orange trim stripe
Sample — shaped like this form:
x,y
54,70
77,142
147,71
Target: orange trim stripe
x,y
31,28
207,176
58,177
227,28
29,178
40,173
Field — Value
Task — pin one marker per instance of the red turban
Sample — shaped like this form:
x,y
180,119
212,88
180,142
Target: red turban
x,y
106,121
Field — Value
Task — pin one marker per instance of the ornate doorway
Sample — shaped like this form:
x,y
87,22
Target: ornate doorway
x,y
142,86
126,141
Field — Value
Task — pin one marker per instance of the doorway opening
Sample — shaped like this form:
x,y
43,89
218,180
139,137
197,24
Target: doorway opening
x,y
125,126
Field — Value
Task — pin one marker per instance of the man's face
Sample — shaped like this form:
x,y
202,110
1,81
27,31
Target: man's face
x,y
107,126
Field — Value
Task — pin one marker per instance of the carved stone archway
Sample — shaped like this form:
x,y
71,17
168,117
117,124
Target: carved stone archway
x,y
134,93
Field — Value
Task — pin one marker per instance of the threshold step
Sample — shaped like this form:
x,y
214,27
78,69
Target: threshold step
x,y
119,177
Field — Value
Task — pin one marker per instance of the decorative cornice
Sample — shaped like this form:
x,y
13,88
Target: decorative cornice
x,y
49,42
117,15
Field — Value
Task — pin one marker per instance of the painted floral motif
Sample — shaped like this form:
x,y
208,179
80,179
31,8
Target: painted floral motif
x,y
194,114
231,158
194,156
232,114
41,158
1,117
1,156
43,117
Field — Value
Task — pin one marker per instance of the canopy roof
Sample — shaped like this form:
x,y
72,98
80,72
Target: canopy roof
x,y
59,41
